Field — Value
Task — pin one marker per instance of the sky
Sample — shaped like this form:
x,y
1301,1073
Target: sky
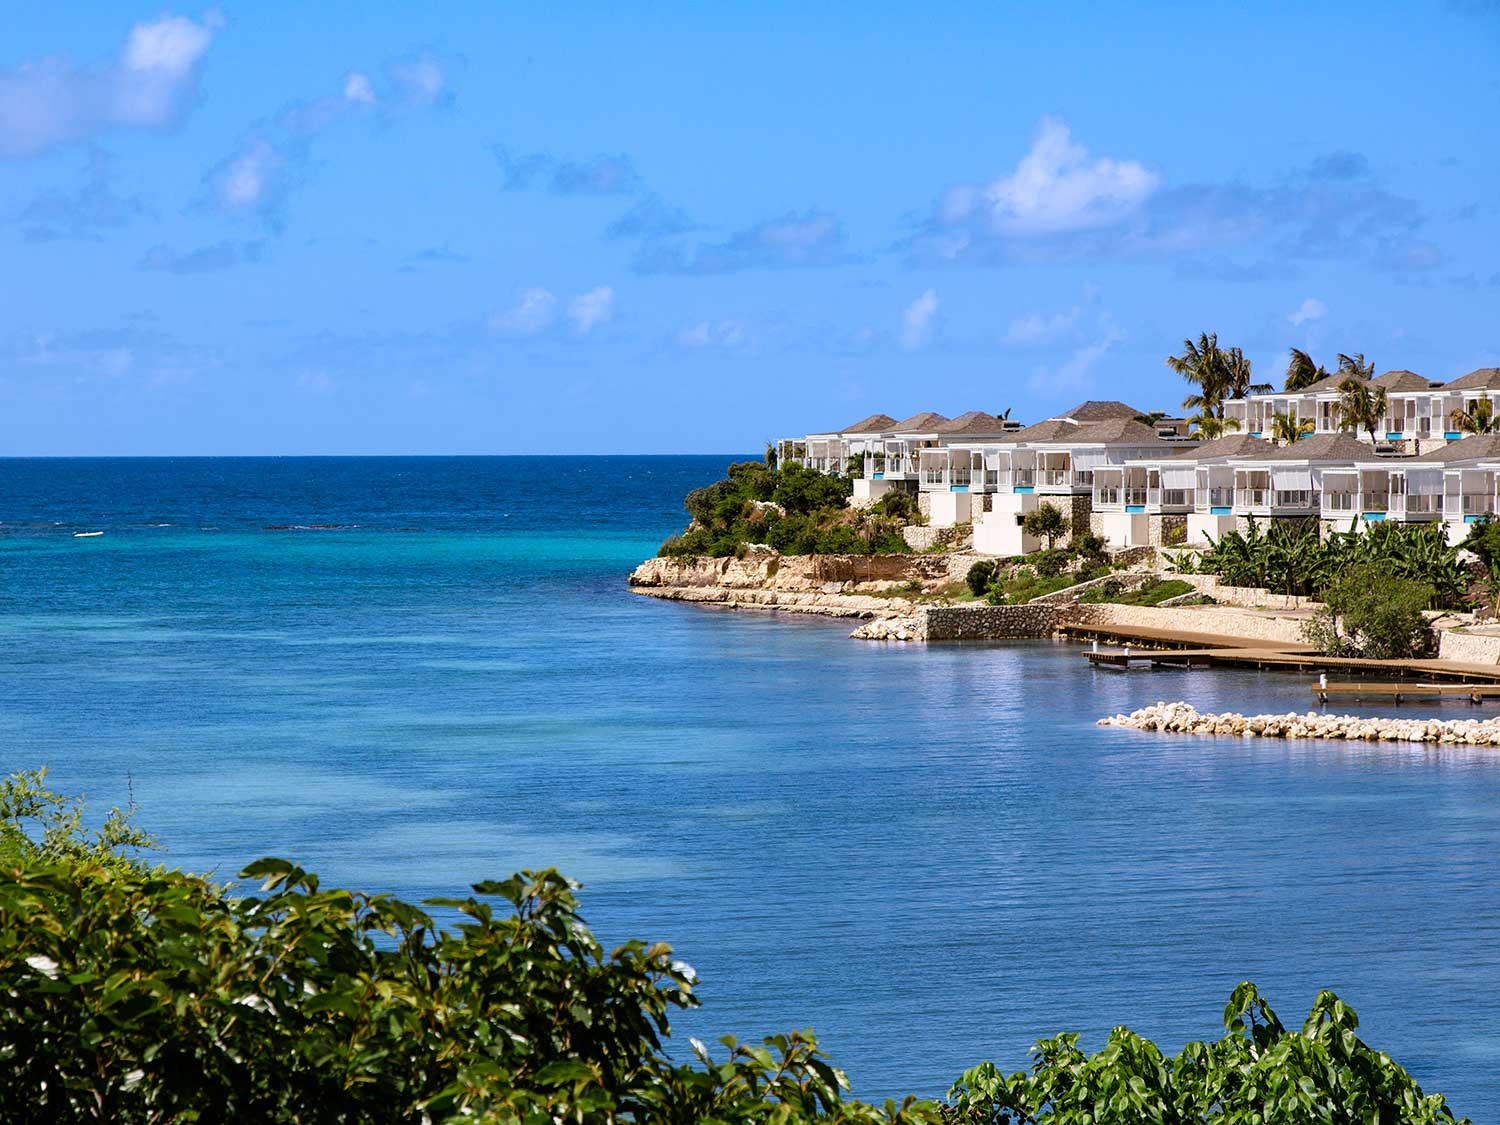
x,y
651,228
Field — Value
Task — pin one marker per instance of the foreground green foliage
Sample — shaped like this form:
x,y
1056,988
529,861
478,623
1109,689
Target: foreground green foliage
x,y
1288,558
1259,1073
794,509
132,994
1483,542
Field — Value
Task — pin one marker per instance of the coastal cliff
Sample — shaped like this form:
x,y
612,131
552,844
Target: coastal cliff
x,y
832,585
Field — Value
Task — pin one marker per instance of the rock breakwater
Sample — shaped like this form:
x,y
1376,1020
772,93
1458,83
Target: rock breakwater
x,y
1184,718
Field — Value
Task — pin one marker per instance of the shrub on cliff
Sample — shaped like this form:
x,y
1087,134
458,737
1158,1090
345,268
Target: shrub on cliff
x,y
796,510
980,575
133,994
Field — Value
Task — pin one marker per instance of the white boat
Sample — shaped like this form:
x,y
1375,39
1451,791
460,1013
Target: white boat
x,y
86,534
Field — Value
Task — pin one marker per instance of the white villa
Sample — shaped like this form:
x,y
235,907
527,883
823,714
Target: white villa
x,y
1138,484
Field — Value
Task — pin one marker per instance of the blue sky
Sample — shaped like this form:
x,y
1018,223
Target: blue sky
x,y
655,228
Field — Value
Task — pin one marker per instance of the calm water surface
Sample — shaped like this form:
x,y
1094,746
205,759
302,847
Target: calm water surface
x,y
411,674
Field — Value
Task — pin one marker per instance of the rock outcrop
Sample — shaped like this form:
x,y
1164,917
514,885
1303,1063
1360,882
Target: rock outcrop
x,y
1183,718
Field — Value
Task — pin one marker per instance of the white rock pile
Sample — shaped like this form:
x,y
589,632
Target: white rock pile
x,y
889,629
1184,718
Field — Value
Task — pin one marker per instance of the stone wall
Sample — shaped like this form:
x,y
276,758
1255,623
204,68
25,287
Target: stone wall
x,y
1249,597
924,538
1468,648
924,504
986,622
1166,530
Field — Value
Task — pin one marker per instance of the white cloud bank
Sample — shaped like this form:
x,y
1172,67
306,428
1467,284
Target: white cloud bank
x,y
592,308
1055,188
1309,310
918,321
49,102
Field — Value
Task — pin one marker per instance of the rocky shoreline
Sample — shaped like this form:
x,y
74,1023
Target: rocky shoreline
x,y
1183,718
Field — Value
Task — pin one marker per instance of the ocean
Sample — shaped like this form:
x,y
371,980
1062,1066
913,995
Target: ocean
x,y
410,674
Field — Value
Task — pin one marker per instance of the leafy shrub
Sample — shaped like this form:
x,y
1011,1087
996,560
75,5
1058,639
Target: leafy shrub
x,y
1371,612
980,575
1259,1072
897,505
1089,547
1049,563
1288,557
796,510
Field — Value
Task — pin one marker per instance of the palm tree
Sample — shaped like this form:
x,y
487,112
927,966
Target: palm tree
x,y
1301,372
1361,406
1356,365
1207,427
1477,418
1203,365
1151,419
1287,428
1237,370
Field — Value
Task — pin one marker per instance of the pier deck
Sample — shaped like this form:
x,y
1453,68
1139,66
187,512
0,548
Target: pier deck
x,y
1169,648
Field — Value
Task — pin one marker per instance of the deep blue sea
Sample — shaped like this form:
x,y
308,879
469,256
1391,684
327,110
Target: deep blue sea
x,y
411,674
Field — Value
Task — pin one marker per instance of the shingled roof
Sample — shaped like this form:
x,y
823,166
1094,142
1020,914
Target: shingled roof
x,y
1322,447
1484,379
923,423
1230,445
1331,383
1101,410
974,422
1053,429
1403,380
1119,429
874,424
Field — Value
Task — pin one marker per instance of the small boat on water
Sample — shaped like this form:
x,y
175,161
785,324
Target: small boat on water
x,y
86,534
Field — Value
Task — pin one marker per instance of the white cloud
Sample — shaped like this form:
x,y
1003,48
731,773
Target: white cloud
x,y
1076,373
726,334
357,89
1310,309
533,313
1056,187
1035,328
591,308
421,79
245,179
917,321
51,101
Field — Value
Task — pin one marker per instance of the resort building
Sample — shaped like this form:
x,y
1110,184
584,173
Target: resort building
x,y
1053,462
1185,496
1418,414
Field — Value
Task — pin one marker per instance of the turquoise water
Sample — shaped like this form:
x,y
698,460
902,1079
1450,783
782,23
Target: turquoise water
x,y
929,855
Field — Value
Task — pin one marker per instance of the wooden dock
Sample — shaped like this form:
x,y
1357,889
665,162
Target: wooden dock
x,y
1397,691
1164,648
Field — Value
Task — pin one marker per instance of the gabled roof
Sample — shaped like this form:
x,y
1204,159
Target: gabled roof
x,y
1484,379
1230,445
923,423
1322,447
1053,429
1403,380
1101,410
1119,430
974,422
1331,383
874,424
1484,446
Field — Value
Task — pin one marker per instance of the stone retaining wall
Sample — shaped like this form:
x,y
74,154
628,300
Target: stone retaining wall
x,y
1248,597
986,622
1468,648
